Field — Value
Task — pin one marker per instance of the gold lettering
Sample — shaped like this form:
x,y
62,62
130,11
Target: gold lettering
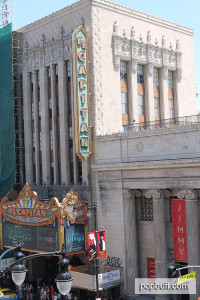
x,y
180,240
82,70
84,141
81,55
23,212
82,84
179,218
179,207
181,250
84,127
83,112
81,42
180,229
83,98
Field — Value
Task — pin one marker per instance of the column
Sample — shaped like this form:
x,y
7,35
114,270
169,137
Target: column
x,y
46,171
54,124
159,234
132,92
192,227
63,113
177,100
28,128
131,244
149,96
164,101
36,118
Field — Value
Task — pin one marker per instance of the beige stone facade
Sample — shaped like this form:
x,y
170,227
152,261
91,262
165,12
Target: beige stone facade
x,y
147,161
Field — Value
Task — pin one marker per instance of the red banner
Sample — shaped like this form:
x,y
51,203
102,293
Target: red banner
x,y
101,237
151,267
179,229
102,244
92,245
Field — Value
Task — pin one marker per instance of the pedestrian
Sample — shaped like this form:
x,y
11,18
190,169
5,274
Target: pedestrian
x,y
69,295
55,296
48,292
27,292
52,292
42,294
31,292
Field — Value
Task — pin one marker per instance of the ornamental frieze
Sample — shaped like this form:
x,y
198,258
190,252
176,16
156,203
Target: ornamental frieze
x,y
138,51
46,52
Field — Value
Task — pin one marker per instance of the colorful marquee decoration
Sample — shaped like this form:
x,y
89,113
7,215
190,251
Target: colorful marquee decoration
x,y
81,94
28,210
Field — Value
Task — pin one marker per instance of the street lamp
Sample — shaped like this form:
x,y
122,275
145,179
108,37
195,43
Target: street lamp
x,y
18,269
89,212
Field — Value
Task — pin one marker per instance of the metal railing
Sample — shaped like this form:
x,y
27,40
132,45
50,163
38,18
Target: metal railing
x,y
165,123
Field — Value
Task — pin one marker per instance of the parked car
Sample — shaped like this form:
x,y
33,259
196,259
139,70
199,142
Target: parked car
x,y
7,294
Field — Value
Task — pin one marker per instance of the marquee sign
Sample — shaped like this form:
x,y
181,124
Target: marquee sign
x,y
81,94
28,210
179,229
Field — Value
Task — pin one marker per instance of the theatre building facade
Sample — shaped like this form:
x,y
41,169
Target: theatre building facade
x,y
109,107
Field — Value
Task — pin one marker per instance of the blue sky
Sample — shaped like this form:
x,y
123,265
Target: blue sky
x,y
183,12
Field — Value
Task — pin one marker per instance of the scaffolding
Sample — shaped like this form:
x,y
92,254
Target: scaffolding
x,y
18,109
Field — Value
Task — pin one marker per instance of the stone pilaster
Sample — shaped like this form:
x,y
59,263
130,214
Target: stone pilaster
x,y
131,239
159,234
46,171
54,123
28,128
164,101
36,127
63,113
132,92
192,227
149,96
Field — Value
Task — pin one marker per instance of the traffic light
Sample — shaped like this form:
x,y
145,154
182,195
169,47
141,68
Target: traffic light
x,y
172,272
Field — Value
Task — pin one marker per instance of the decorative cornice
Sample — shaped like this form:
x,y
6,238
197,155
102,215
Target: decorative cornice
x,y
47,52
137,51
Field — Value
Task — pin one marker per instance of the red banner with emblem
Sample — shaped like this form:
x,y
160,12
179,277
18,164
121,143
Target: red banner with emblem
x,y
179,230
151,267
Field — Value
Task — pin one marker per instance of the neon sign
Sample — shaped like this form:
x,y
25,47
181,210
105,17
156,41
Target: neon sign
x,y
81,94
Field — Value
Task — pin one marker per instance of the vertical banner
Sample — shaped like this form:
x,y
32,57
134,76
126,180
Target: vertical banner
x,y
81,94
92,245
102,244
179,230
151,267
101,237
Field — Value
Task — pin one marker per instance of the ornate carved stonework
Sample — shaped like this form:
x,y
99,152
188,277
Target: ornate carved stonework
x,y
46,52
138,51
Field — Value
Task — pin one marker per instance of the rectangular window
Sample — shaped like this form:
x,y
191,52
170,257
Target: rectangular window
x,y
40,141
141,104
170,79
38,79
156,107
140,74
39,110
155,77
33,141
171,108
68,71
124,103
32,110
50,108
123,70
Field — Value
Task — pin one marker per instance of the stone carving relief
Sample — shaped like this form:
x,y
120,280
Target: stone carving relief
x,y
46,52
141,52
